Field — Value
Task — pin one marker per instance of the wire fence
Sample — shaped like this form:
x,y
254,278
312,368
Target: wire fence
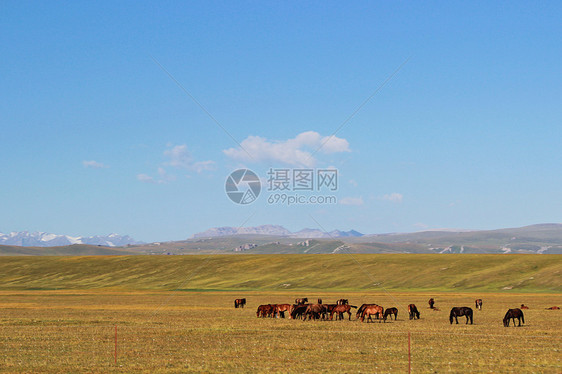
x,y
103,347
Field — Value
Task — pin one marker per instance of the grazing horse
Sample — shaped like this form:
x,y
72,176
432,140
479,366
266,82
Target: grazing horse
x,y
512,314
361,308
239,303
304,300
266,310
280,310
390,312
431,302
298,310
478,303
314,311
339,310
461,311
342,302
553,308
413,311
523,306
369,311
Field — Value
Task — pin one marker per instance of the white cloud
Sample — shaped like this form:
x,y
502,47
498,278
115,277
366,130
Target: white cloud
x,y
180,157
94,164
177,157
295,152
352,201
145,178
421,225
163,177
394,197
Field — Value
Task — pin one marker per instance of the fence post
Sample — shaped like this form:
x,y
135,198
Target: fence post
x,y
115,344
409,355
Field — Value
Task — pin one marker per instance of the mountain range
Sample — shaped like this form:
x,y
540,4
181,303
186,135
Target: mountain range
x,y
539,239
43,239
276,230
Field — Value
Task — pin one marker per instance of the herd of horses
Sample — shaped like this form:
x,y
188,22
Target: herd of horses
x,y
304,310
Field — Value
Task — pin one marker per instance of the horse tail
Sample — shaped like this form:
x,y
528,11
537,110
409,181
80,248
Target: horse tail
x,y
522,318
353,306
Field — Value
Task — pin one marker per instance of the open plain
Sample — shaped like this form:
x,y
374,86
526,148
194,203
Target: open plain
x,y
90,324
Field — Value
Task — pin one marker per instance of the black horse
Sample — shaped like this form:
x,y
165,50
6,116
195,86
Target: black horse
x,y
390,312
512,314
461,311
239,303
413,311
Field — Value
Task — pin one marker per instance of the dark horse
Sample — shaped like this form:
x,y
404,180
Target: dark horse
x,y
390,312
413,311
512,314
239,303
461,311
431,302
298,311
478,303
304,300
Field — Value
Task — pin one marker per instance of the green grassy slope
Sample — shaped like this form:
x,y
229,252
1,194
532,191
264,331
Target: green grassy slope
x,y
508,273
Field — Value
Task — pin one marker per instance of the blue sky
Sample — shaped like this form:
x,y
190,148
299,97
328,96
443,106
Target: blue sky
x,y
97,138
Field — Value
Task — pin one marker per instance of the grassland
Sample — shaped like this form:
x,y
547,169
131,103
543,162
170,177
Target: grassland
x,y
70,331
58,314
400,272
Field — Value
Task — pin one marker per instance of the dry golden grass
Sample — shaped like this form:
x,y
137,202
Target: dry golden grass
x,y
73,331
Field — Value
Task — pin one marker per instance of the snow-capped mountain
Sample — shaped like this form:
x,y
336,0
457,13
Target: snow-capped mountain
x,y
43,239
275,230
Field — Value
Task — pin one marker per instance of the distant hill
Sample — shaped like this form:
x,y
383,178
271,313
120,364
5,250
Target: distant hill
x,y
541,238
272,239
67,250
275,230
44,239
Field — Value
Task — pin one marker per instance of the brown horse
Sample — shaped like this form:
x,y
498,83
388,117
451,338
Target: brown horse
x,y
314,311
390,312
239,303
478,303
329,307
301,301
265,310
374,310
523,306
512,314
339,310
342,302
298,310
553,308
431,302
280,310
461,311
413,311
361,308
